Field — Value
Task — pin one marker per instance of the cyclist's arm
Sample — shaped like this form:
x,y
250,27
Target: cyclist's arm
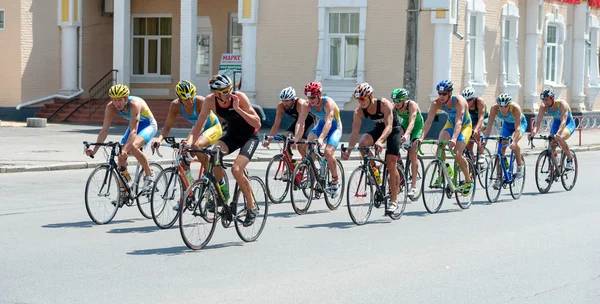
x,y
433,108
356,123
202,117
493,113
481,114
134,121
413,109
108,117
516,136
538,119
329,108
304,109
171,118
388,117
247,111
278,115
460,110
563,118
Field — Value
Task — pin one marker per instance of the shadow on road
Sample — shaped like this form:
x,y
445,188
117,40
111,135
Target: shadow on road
x,y
83,224
146,229
338,225
181,249
290,214
424,212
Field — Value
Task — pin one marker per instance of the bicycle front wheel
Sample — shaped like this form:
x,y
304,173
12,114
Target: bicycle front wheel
x,y
494,179
144,197
418,178
302,188
433,187
277,179
569,178
402,196
518,183
464,198
166,198
482,167
198,214
259,196
334,199
360,196
544,172
102,195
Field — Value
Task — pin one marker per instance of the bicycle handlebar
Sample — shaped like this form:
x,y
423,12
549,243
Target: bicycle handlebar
x,y
215,151
111,144
544,137
438,143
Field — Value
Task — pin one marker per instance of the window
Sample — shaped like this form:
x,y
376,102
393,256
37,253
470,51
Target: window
x,y
554,49
551,53
510,58
472,44
475,73
1,19
152,46
343,45
235,34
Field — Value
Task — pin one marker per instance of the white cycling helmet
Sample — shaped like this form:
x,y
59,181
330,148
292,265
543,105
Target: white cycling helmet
x,y
287,94
219,82
468,93
504,100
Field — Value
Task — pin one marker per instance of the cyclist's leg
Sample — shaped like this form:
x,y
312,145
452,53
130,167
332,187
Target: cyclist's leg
x,y
368,139
520,137
564,136
553,131
239,165
303,149
461,143
333,140
226,144
446,134
414,162
391,160
208,138
146,131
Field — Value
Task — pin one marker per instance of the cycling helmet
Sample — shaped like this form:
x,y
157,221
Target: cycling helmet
x,y
504,100
468,93
219,82
445,85
548,92
400,94
185,89
118,91
287,93
313,88
363,90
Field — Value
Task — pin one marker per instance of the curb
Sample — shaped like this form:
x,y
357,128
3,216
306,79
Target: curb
x,y
90,165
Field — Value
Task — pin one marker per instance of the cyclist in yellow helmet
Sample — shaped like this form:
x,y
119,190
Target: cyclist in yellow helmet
x,y
142,127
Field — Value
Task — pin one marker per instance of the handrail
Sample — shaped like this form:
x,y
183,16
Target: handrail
x,y
32,102
99,91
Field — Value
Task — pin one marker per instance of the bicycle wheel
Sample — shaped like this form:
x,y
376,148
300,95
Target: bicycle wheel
x,y
494,179
402,197
569,178
303,182
544,172
143,198
259,195
517,185
331,201
277,179
165,201
481,168
433,187
196,223
465,201
360,197
419,177
102,195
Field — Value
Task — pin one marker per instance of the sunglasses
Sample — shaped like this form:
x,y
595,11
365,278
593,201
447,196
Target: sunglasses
x,y
312,97
397,100
470,99
443,93
223,91
363,98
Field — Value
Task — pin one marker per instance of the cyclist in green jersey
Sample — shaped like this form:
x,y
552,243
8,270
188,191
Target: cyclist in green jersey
x,y
410,127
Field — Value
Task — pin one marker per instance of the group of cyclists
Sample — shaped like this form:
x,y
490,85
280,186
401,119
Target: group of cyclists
x,y
397,121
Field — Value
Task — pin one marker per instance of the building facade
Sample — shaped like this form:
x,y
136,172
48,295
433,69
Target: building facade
x,y
519,47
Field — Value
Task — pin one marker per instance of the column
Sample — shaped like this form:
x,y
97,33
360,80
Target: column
x,y
69,22
579,55
442,45
248,17
531,94
188,45
121,40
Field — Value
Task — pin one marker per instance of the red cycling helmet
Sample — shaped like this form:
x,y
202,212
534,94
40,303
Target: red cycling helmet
x,y
313,88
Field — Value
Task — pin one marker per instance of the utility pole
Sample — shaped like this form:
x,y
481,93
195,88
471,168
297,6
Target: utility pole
x,y
410,54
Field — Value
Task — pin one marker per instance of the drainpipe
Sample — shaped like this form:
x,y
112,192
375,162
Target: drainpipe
x,y
455,28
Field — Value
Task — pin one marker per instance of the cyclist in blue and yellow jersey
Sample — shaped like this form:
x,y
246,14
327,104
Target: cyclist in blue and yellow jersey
x,y
514,124
243,123
142,127
479,116
328,128
563,125
458,127
189,105
386,129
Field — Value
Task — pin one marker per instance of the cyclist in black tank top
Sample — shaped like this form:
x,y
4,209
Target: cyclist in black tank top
x,y
387,128
292,105
243,124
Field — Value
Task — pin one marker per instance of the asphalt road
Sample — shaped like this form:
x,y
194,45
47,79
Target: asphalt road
x,y
539,249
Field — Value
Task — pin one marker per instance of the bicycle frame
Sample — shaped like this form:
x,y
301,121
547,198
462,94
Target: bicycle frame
x,y
507,172
366,166
314,148
286,151
439,157
549,141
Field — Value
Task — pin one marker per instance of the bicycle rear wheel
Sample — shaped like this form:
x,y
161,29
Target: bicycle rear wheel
x,y
494,179
302,189
465,201
143,198
402,196
517,185
419,176
544,172
102,195
360,196
331,201
277,179
259,195
569,178
481,168
196,223
166,197
433,187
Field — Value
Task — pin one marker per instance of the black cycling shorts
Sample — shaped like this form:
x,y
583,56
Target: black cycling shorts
x,y
247,143
393,140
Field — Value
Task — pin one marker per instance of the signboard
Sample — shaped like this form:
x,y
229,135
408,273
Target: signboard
x,y
232,64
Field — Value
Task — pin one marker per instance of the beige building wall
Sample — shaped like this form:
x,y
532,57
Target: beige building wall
x,y
457,68
425,66
10,54
40,49
97,44
287,46
218,12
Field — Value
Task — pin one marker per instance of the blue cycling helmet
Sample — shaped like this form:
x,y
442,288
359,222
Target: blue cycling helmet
x,y
445,85
548,92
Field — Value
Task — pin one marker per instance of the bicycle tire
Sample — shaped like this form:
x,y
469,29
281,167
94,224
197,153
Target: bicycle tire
x,y
493,174
361,175
402,197
574,173
543,159
163,213
482,169
306,185
331,202
461,179
261,202
518,184
113,187
143,199
271,181
434,168
192,206
420,175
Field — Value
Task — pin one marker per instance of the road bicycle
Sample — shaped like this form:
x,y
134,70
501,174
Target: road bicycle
x,y
278,177
549,170
102,194
501,173
408,171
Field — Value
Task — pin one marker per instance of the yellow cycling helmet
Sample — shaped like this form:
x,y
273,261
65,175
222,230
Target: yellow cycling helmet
x,y
118,91
185,89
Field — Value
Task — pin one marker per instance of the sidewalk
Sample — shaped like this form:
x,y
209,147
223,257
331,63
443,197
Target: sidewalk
x,y
59,147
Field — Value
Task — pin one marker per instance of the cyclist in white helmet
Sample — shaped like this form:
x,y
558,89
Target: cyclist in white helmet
x,y
479,116
292,105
